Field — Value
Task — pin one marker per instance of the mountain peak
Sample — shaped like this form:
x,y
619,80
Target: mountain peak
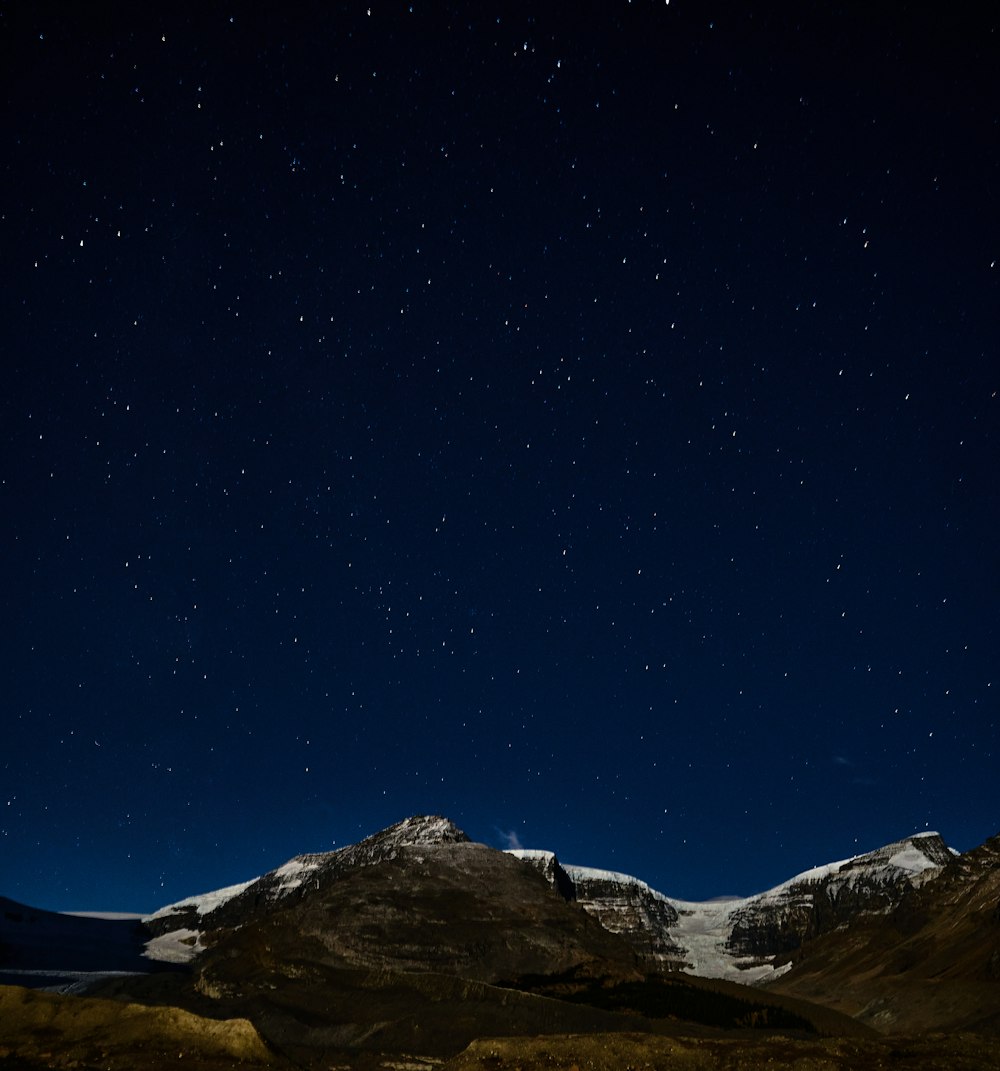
x,y
417,830
912,855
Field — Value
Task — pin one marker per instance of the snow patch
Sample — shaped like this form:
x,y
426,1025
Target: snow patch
x,y
703,931
290,875
530,853
580,874
913,860
203,903
178,946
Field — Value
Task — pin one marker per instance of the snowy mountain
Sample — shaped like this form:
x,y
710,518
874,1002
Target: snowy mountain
x,y
418,939
748,940
622,904
179,928
767,928
932,963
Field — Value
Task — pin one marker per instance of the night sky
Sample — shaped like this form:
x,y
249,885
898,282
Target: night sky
x,y
579,422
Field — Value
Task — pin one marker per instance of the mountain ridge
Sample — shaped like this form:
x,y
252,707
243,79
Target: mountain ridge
x,y
419,940
750,939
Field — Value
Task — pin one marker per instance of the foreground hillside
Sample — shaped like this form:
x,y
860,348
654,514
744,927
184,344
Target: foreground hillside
x,y
627,1052
43,1031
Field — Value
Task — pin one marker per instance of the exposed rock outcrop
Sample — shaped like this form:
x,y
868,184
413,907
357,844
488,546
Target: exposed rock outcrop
x,y
777,922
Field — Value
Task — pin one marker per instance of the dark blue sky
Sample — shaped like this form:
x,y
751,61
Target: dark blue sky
x,y
582,423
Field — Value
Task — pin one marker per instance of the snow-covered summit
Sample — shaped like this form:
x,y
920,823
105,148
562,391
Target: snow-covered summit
x,y
902,860
766,929
418,830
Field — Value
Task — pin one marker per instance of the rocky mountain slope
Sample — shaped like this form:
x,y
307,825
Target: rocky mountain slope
x,y
931,962
752,939
452,907
180,929
622,904
777,922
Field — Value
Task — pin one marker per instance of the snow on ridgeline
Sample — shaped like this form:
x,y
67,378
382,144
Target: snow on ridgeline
x,y
580,875
183,943
179,926
203,903
736,938
584,874
410,832
716,938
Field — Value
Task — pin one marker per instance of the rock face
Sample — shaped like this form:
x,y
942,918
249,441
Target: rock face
x,y
752,939
748,940
549,867
625,905
184,928
775,923
932,962
454,908
622,904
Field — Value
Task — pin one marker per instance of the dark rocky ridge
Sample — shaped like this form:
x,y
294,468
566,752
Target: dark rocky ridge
x,y
779,922
454,908
303,874
642,916
933,962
